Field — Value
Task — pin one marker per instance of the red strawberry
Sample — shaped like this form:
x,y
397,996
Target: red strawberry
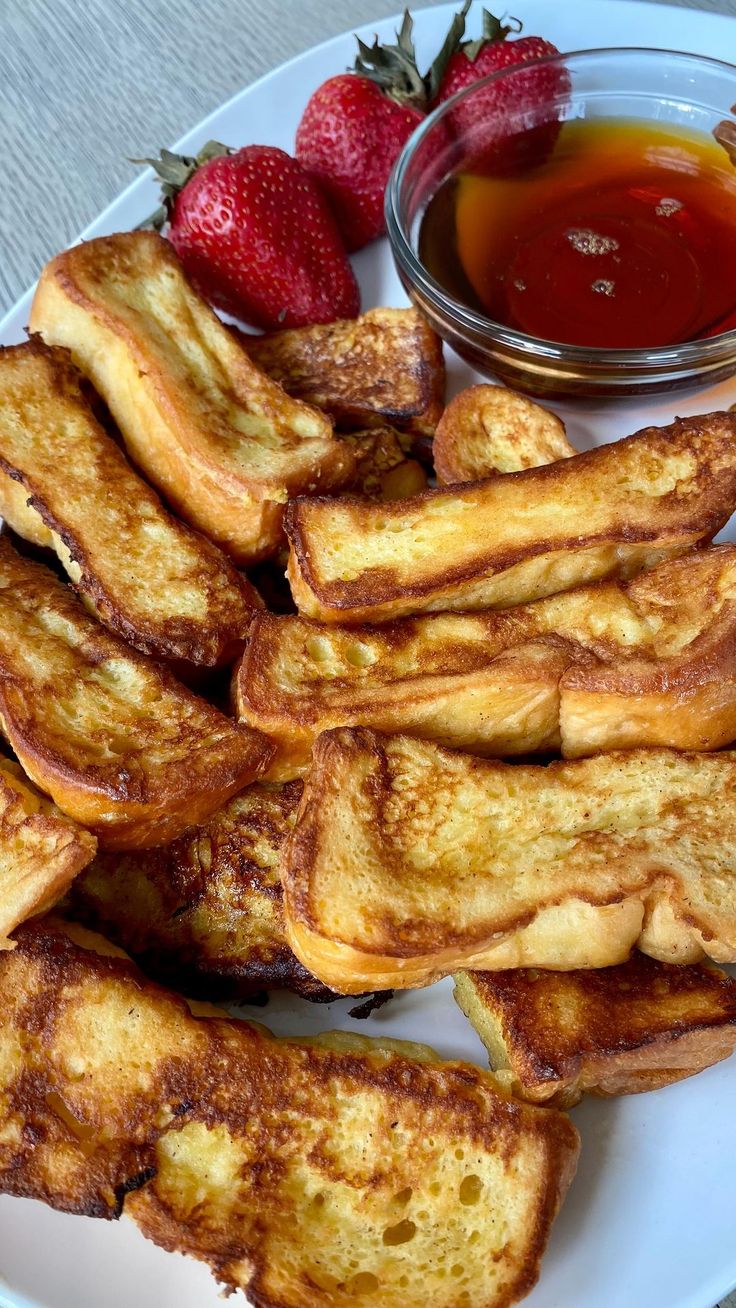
x,y
349,138
354,127
508,125
473,60
256,236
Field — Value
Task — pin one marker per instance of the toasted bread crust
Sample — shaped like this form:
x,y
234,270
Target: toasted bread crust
x,y
616,1031
614,665
382,469
118,744
385,366
204,914
161,586
608,512
41,851
217,1139
488,429
299,678
409,861
223,443
680,691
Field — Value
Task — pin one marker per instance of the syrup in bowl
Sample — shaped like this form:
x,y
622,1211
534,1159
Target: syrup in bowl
x,y
623,237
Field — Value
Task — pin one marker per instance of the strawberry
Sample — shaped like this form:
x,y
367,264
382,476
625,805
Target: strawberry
x,y
505,125
349,138
256,235
490,53
356,124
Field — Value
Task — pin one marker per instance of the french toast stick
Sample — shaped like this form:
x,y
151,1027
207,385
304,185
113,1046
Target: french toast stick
x,y
116,741
409,861
41,851
554,1036
224,444
382,470
65,484
487,429
611,511
617,664
385,366
309,1174
204,913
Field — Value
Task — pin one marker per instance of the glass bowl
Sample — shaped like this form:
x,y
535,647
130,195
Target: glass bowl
x,y
679,89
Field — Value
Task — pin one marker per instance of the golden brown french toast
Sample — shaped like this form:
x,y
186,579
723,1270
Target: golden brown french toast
x,y
204,913
384,367
671,680
408,861
489,544
487,429
554,1036
113,738
65,484
222,442
469,680
612,665
383,471
41,851
310,1174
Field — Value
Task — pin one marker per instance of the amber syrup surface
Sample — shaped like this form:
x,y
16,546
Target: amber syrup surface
x,y
623,237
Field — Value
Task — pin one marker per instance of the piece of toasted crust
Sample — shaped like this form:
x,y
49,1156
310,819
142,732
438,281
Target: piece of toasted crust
x,y
614,665
673,684
225,444
41,851
385,366
307,1173
408,861
383,471
554,1036
488,429
118,744
204,913
608,512
64,483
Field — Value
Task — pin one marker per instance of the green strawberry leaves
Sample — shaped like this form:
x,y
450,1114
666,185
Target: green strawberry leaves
x,y
173,172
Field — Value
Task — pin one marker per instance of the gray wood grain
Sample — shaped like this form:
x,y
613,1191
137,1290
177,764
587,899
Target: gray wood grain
x,y
86,83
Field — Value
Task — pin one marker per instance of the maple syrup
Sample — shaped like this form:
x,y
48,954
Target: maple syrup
x,y
623,237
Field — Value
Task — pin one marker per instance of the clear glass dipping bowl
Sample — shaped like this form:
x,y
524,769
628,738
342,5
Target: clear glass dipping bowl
x,y
666,87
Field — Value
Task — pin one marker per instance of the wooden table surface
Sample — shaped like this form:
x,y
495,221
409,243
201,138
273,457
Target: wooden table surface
x,y
86,84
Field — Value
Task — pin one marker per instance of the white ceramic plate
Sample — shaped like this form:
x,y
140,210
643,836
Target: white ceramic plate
x,y
650,1221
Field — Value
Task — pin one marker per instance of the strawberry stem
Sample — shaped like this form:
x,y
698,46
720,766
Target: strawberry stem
x,y
173,172
449,47
394,67
494,29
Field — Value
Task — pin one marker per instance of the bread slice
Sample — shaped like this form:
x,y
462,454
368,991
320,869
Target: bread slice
x,y
553,1036
64,483
383,472
223,443
609,512
468,680
487,429
617,664
204,913
666,669
408,861
310,1174
118,744
384,367
41,851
